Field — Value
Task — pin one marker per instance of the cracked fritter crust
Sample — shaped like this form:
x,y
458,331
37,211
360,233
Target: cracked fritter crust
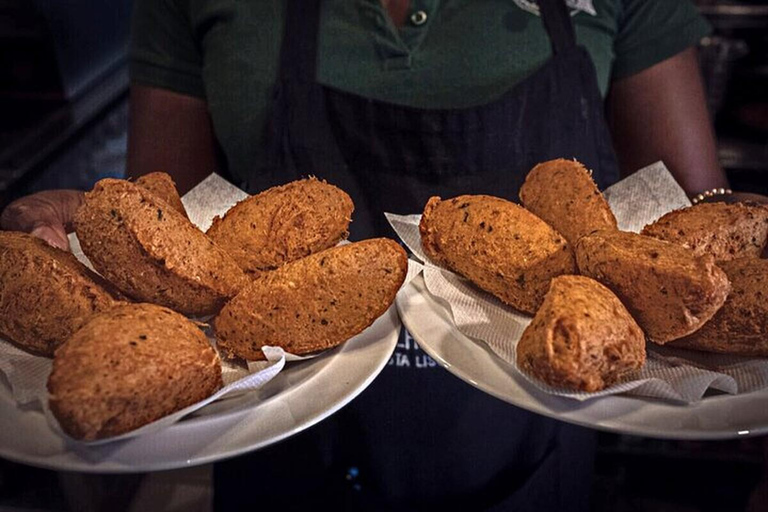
x,y
152,253
498,245
726,231
741,325
128,367
162,185
314,303
283,224
582,338
562,193
669,291
45,293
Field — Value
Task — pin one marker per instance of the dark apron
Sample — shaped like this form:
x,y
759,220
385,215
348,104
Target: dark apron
x,y
419,438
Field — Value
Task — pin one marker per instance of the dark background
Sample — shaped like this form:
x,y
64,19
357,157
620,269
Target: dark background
x,y
63,117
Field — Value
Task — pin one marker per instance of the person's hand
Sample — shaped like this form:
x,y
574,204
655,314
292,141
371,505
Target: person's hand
x,y
747,197
47,215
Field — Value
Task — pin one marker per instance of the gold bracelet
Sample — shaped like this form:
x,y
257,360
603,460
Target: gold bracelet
x,y
711,193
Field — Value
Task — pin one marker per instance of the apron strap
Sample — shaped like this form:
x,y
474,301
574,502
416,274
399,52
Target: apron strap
x,y
298,61
298,52
557,22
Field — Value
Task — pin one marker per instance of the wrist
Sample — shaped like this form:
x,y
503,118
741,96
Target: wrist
x,y
712,195
731,196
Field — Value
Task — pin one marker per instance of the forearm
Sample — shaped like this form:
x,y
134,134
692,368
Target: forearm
x,y
170,132
661,114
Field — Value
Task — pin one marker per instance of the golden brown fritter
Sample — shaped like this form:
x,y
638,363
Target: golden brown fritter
x,y
726,231
283,224
741,325
152,253
582,338
162,185
498,245
128,367
314,303
562,193
667,289
45,293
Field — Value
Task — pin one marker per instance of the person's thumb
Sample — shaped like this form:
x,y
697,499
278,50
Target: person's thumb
x,y
47,215
54,235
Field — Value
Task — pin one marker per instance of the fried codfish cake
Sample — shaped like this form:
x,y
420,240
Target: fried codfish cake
x,y
582,338
45,293
151,252
741,325
562,193
498,245
667,289
162,185
726,231
283,224
314,303
128,367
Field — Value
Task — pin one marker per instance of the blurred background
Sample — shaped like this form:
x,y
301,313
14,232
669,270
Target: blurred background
x,y
63,93
63,124
734,64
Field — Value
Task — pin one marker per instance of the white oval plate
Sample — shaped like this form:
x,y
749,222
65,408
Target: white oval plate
x,y
303,394
715,417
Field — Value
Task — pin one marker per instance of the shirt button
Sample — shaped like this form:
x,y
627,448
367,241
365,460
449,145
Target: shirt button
x,y
419,18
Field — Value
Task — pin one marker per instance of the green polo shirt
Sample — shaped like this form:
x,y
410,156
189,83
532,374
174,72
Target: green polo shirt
x,y
449,54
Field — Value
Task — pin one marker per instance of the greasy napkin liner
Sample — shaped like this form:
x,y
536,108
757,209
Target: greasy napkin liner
x,y
672,374
27,374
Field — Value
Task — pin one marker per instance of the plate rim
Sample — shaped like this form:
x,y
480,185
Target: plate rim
x,y
389,322
417,288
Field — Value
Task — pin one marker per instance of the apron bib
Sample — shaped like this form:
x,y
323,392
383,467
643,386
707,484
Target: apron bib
x,y
418,436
